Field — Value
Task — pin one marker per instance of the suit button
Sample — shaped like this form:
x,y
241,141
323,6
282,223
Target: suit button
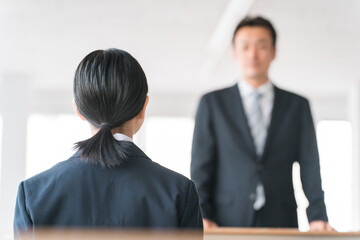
x,y
260,167
252,196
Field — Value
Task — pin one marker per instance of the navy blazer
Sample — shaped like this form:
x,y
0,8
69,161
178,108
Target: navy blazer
x,y
138,194
226,169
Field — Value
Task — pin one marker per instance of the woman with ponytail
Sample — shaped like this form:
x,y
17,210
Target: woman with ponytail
x,y
109,182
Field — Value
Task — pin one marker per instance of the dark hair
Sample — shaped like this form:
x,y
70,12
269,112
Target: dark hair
x,y
256,22
110,88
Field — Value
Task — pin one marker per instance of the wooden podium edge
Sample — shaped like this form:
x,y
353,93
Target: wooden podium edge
x,y
274,231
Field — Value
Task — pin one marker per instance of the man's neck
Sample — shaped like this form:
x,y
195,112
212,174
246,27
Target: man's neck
x,y
256,82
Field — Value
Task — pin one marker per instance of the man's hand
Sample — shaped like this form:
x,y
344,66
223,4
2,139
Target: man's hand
x,y
320,226
209,224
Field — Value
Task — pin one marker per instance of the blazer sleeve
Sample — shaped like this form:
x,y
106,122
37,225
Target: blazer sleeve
x,y
203,157
22,220
310,167
191,216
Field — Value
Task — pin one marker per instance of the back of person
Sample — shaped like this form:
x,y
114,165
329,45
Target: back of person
x,y
140,193
112,184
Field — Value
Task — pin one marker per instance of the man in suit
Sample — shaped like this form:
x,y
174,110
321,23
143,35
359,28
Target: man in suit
x,y
247,138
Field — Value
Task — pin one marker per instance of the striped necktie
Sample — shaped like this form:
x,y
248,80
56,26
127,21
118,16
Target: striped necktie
x,y
258,131
257,124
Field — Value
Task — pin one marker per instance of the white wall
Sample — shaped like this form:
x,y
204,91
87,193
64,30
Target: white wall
x,y
42,42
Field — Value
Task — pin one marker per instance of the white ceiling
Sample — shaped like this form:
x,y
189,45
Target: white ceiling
x,y
44,40
47,39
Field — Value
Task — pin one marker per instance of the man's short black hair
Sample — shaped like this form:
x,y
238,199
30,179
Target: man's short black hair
x,y
256,22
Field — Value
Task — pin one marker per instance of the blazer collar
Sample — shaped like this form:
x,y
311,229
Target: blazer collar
x,y
276,117
241,119
133,151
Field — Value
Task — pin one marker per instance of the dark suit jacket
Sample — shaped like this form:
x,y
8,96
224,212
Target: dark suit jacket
x,y
226,170
139,194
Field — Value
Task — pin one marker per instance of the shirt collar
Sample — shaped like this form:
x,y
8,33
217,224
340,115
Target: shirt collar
x,y
122,137
246,89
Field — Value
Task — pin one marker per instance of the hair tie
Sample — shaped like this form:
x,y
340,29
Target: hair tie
x,y
106,126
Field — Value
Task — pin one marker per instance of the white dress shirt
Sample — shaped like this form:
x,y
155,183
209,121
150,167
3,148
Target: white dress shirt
x,y
122,137
267,100
266,104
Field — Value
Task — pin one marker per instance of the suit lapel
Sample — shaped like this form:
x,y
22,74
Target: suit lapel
x,y
275,122
242,122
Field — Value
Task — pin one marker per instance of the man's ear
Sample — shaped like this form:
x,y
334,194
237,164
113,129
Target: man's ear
x,y
77,111
274,54
141,115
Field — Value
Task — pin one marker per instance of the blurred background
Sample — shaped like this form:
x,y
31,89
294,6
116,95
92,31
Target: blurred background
x,y
184,47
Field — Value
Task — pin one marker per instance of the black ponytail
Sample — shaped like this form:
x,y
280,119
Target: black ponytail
x,y
110,88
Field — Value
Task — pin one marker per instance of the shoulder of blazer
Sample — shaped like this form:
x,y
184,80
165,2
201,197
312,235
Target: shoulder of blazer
x,y
289,96
220,92
221,95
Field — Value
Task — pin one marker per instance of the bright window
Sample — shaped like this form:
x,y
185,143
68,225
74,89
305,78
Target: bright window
x,y
168,142
335,147
334,141
50,139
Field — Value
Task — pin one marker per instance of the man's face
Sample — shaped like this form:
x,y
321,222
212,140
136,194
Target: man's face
x,y
253,52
